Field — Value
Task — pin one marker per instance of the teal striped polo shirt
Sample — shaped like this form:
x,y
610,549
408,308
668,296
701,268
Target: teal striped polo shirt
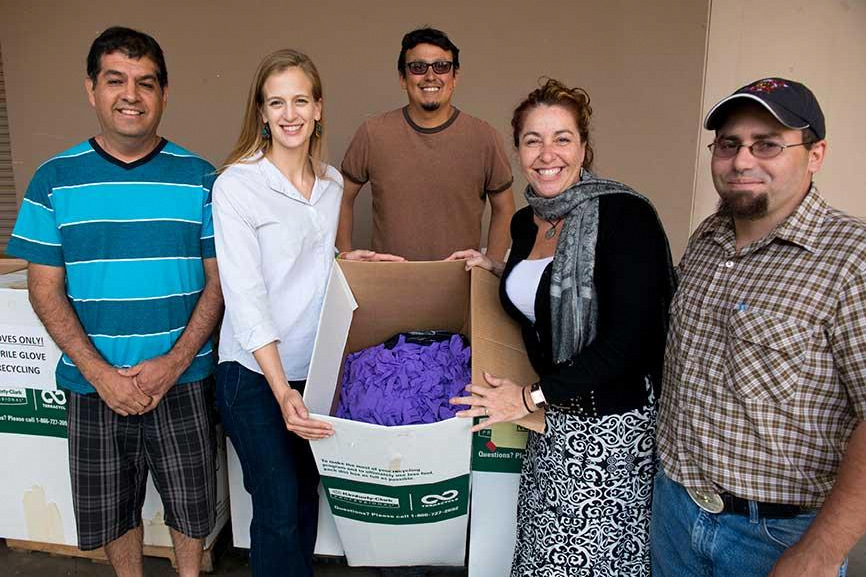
x,y
132,238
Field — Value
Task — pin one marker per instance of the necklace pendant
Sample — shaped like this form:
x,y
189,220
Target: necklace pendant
x,y
551,232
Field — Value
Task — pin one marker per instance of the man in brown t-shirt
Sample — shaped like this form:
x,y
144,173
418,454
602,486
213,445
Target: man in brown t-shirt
x,y
430,166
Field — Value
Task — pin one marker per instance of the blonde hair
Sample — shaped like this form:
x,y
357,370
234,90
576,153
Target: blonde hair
x,y
250,140
555,93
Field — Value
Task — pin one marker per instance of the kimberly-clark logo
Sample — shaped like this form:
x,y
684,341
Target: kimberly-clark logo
x,y
368,499
11,396
434,499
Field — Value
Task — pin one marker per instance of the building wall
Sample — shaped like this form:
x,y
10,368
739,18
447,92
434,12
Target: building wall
x,y
642,63
823,45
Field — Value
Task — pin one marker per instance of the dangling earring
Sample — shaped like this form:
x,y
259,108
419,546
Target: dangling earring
x,y
580,174
318,129
266,131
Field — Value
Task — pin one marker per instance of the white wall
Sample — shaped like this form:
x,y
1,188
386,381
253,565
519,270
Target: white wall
x,y
823,45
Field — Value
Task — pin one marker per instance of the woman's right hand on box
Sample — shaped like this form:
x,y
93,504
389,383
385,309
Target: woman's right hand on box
x,y
297,417
475,258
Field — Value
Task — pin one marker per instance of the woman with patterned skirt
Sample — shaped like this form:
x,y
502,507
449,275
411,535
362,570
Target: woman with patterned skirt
x,y
589,279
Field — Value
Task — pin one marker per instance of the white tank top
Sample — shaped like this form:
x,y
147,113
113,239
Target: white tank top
x,y
521,286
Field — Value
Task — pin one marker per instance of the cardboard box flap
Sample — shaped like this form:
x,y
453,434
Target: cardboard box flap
x,y
388,296
337,309
12,265
497,345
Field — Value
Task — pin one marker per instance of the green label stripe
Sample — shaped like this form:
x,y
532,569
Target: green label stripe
x,y
488,458
33,412
405,505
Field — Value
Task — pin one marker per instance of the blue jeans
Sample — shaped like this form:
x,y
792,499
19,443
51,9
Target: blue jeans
x,y
687,541
279,473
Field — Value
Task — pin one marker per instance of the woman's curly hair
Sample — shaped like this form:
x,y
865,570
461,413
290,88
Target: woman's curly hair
x,y
555,93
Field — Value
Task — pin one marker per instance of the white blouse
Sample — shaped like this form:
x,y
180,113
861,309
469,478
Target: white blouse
x,y
521,286
275,250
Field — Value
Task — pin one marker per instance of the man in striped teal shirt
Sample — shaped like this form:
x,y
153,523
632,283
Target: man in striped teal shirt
x,y
119,237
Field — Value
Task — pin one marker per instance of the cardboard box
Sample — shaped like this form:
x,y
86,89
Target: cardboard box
x,y
400,495
36,493
8,265
497,453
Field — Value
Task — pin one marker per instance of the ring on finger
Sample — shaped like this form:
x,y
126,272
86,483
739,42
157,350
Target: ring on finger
x,y
486,412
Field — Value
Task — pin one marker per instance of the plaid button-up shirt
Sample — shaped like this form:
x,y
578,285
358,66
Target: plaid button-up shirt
x,y
765,364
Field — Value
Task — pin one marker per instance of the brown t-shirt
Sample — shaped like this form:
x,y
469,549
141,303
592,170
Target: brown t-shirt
x,y
429,184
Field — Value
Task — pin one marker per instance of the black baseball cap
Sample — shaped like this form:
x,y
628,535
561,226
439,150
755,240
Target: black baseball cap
x,y
790,102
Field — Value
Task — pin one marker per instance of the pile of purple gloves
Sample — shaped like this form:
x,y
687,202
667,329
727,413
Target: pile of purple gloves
x,y
407,384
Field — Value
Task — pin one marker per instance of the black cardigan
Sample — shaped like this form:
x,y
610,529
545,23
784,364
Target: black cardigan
x,y
632,286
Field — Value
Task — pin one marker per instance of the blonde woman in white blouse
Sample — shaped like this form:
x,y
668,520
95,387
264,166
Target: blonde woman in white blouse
x,y
276,206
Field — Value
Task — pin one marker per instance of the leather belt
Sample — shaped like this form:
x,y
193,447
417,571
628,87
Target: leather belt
x,y
740,506
728,503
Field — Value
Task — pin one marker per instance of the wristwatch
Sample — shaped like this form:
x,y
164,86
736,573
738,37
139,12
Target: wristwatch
x,y
537,395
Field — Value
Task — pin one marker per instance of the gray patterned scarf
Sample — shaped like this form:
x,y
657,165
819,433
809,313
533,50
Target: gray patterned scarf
x,y
573,303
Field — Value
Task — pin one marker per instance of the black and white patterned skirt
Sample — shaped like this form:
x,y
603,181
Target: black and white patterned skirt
x,y
585,496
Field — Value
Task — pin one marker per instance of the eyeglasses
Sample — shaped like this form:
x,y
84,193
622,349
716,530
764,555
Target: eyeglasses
x,y
760,148
419,68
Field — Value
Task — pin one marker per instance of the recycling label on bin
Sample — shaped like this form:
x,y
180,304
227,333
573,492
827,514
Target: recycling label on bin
x,y
398,505
499,449
33,412
28,357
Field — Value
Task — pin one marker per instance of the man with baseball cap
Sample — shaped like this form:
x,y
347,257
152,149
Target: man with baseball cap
x,y
761,435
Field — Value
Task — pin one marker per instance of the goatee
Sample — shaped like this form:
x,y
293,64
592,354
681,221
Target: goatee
x,y
743,205
430,106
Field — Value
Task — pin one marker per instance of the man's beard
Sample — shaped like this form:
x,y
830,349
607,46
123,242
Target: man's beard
x,y
743,205
430,106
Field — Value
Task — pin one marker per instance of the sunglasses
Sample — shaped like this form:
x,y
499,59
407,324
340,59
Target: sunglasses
x,y
419,68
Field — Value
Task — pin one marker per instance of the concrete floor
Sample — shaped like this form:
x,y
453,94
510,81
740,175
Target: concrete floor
x,y
232,563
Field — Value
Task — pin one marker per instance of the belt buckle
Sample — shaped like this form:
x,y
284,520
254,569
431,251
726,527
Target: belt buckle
x,y
708,501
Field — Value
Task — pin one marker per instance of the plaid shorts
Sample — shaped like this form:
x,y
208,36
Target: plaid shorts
x,y
110,456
